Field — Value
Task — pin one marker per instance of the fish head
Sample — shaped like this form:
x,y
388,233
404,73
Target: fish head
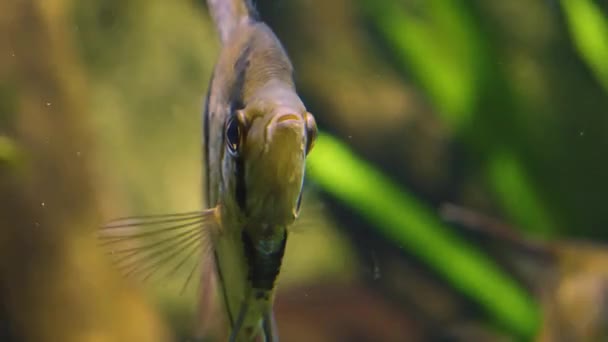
x,y
265,162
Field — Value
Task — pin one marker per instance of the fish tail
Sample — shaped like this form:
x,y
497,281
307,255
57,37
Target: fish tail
x,y
229,14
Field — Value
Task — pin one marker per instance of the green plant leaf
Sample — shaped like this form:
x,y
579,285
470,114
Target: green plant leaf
x,y
589,30
413,225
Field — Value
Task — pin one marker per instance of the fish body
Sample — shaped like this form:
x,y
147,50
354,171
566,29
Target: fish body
x,y
257,134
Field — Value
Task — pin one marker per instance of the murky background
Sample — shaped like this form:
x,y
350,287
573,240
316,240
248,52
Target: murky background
x,y
498,107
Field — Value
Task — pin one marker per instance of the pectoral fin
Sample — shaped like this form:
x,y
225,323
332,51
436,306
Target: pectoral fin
x,y
160,245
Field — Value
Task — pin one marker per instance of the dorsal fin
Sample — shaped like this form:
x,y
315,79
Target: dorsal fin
x,y
229,14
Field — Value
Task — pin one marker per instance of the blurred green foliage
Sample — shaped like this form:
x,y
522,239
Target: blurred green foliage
x,y
414,226
589,30
447,49
441,45
438,44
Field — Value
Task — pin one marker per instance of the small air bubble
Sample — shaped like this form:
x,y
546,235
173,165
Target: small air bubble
x,y
581,133
42,204
376,268
376,272
48,104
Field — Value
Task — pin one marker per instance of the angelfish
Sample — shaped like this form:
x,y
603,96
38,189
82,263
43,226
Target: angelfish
x,y
257,134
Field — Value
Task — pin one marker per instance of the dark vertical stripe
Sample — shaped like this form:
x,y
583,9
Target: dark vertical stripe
x,y
241,188
207,149
241,66
236,102
264,268
206,158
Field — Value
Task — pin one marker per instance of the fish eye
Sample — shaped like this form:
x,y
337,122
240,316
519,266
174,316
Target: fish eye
x,y
311,132
233,136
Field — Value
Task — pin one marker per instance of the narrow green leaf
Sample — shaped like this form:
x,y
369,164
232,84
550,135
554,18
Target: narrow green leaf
x,y
589,30
437,42
416,227
515,193
439,46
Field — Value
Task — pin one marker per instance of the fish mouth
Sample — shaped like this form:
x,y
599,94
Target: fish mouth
x,y
288,118
284,133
